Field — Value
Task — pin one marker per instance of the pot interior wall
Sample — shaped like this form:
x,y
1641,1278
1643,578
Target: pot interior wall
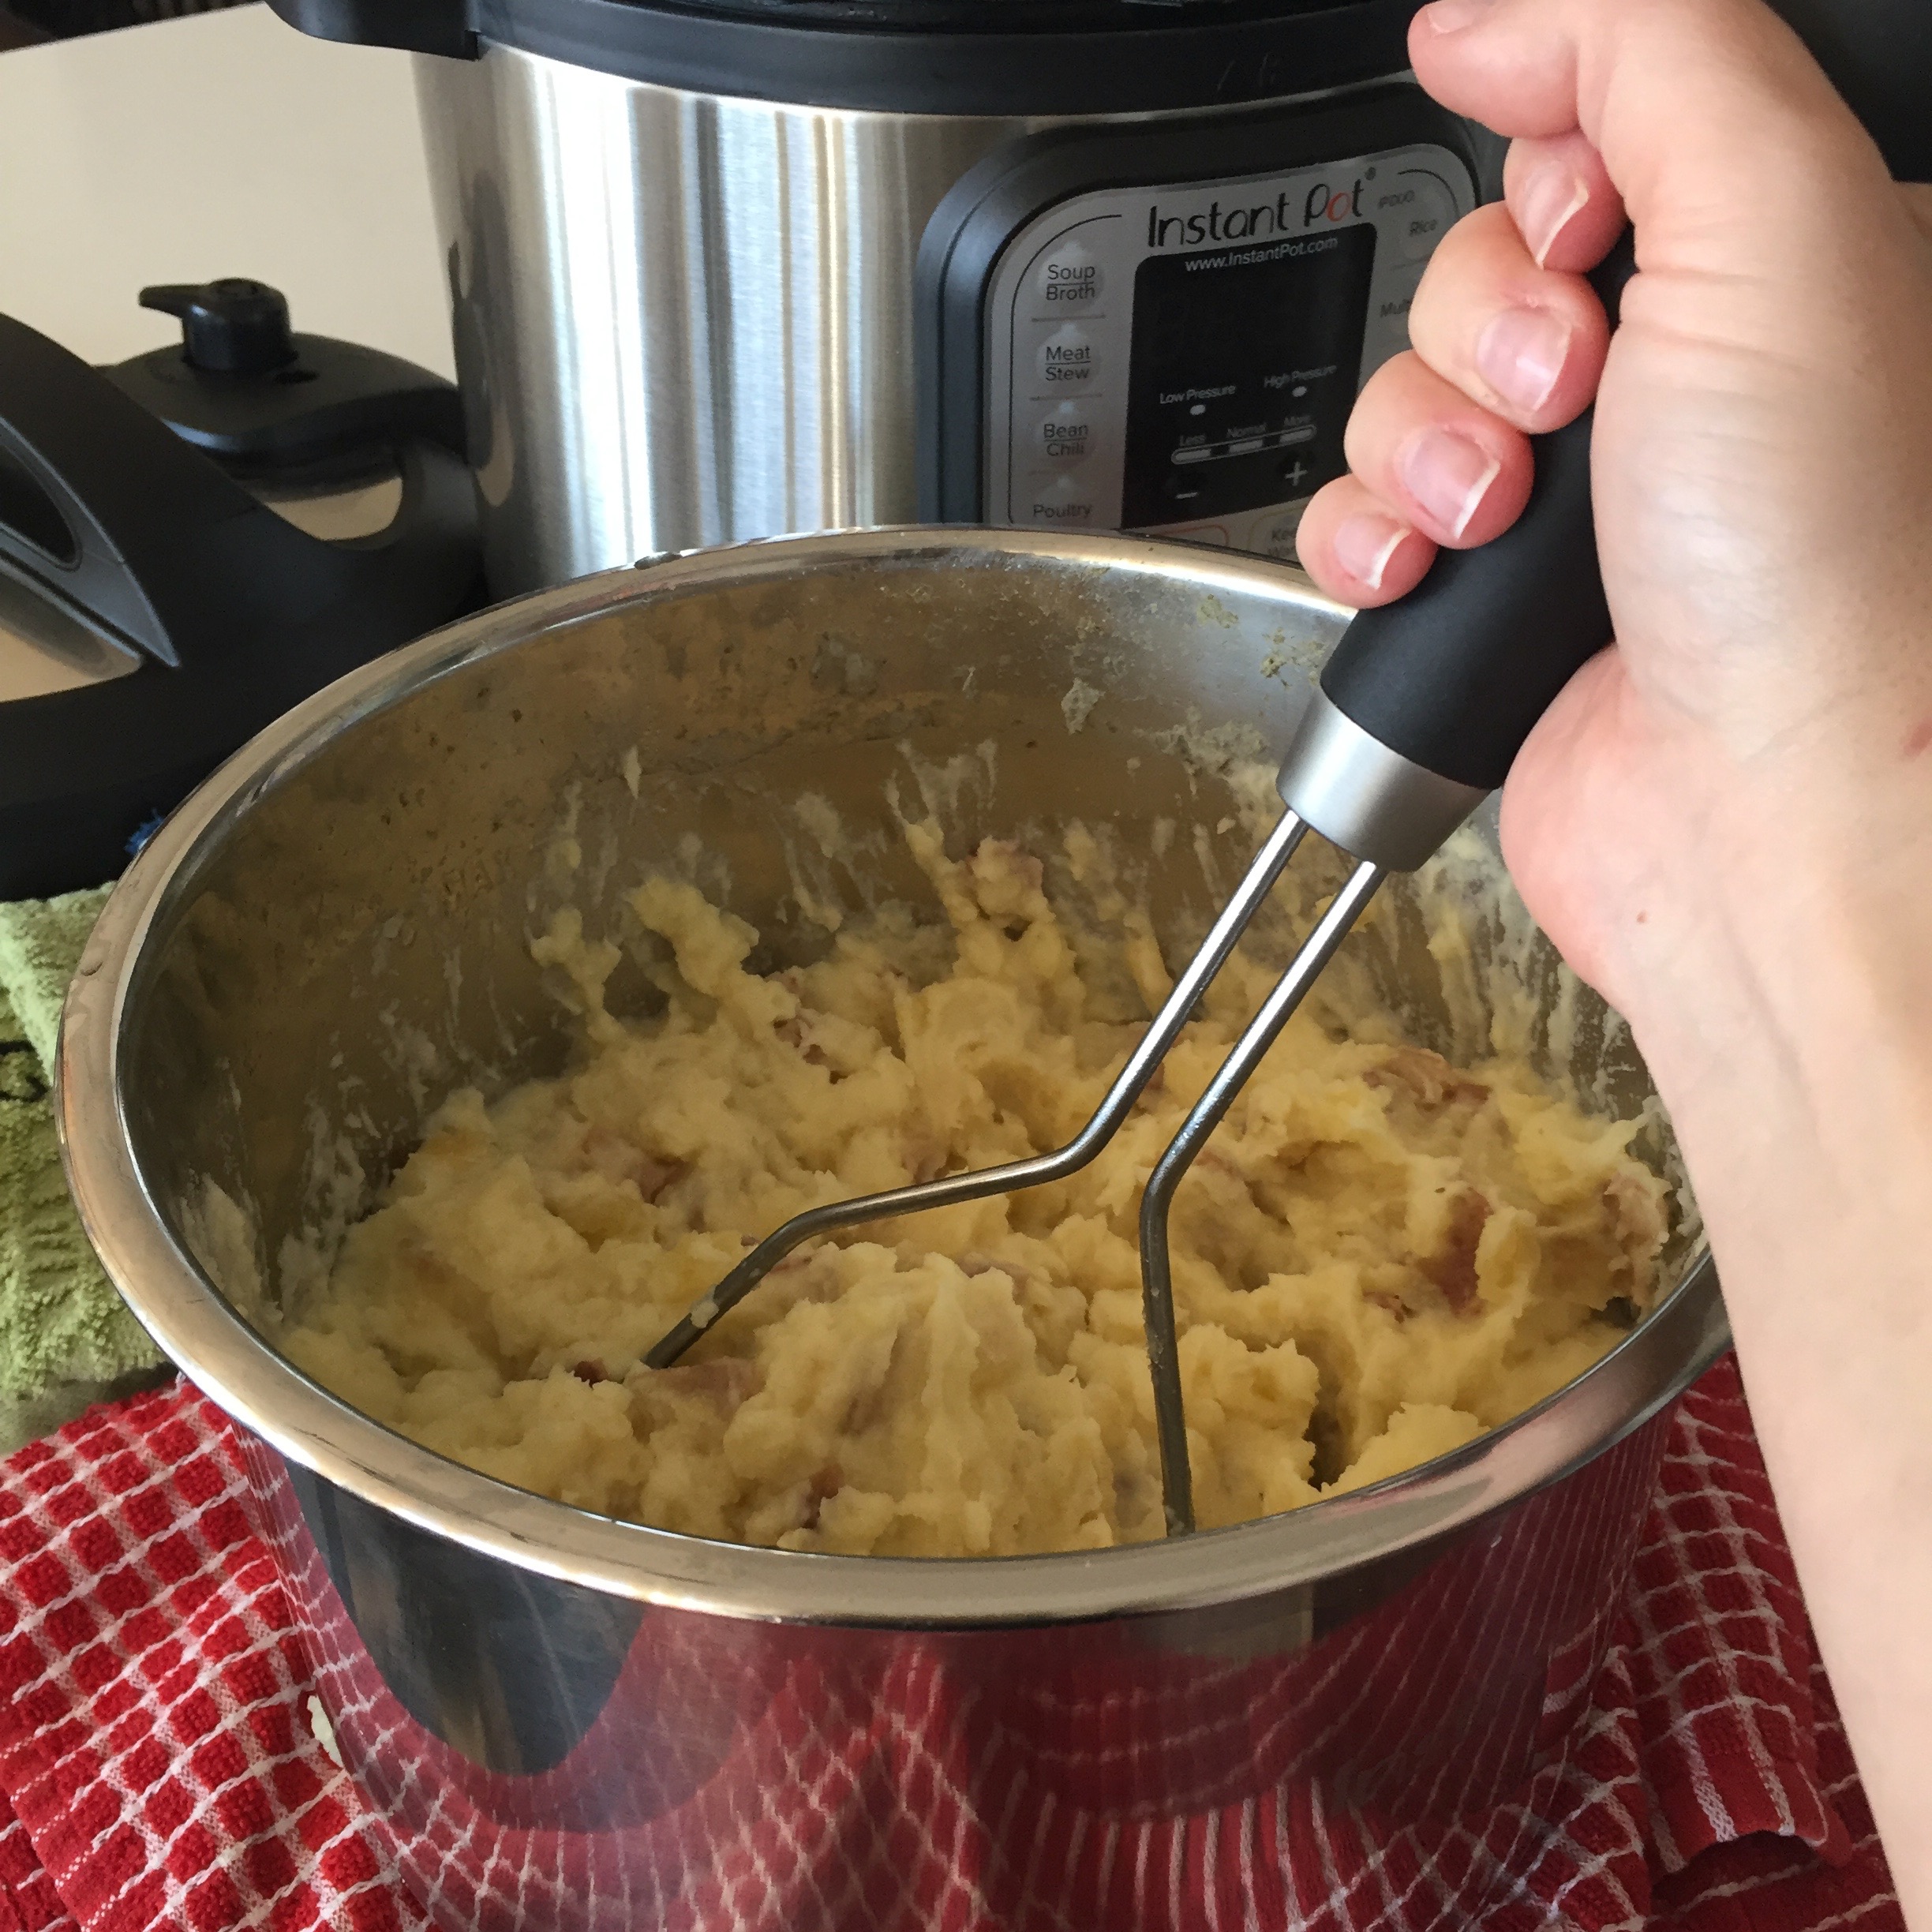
x,y
356,944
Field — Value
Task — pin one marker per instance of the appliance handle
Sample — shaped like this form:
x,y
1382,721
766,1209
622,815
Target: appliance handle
x,y
417,26
74,487
107,513
234,613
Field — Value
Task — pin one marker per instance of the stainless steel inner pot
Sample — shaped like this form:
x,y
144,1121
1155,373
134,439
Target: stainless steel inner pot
x,y
334,931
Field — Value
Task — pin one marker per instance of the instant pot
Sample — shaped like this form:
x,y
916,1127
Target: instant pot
x,y
731,268
726,271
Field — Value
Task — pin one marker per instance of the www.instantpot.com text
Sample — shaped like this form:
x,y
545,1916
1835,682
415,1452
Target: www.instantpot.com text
x,y
1235,258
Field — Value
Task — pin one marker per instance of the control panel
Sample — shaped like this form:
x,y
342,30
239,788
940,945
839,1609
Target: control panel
x,y
1183,359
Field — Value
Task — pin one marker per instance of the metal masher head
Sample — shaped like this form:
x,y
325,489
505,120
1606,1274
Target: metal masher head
x,y
1420,710
949,1190
1129,1084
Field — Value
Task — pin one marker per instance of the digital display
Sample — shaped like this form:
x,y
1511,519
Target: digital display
x,y
1243,370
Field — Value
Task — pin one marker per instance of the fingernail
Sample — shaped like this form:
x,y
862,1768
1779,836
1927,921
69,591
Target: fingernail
x,y
1551,199
1447,474
1452,16
1363,545
1520,353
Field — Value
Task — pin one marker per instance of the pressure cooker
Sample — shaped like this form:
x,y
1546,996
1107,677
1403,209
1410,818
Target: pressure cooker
x,y
727,271
731,268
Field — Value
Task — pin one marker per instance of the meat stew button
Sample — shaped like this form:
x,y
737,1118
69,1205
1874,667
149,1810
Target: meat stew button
x,y
1068,359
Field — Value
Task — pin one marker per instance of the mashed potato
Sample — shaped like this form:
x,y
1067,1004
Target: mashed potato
x,y
1379,1255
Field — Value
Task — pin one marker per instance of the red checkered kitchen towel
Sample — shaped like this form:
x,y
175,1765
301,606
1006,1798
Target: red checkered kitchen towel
x,y
158,1766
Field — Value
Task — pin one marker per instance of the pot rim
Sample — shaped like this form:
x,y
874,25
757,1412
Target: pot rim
x,y
195,1326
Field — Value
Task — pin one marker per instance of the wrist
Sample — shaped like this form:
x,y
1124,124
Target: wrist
x,y
1793,1048
1808,1002
1784,1009
1768,935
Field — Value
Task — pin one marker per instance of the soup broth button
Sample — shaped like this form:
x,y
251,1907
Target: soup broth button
x,y
1068,279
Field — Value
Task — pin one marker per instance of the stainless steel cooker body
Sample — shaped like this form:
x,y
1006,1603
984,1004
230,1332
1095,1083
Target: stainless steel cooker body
x,y
684,318
680,318
570,1721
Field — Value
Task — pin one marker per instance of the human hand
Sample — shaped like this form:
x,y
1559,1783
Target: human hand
x,y
1762,470
1725,820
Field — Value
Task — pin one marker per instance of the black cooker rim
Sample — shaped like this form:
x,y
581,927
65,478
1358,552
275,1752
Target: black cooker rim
x,y
1006,58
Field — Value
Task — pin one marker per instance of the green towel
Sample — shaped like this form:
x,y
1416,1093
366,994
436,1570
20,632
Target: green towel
x,y
66,1338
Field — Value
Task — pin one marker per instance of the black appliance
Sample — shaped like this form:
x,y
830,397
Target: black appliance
x,y
160,599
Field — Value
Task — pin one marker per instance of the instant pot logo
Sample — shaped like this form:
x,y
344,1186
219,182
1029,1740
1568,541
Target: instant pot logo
x,y
1324,202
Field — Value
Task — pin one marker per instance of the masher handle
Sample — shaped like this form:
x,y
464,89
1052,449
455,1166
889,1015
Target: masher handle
x,y
1454,676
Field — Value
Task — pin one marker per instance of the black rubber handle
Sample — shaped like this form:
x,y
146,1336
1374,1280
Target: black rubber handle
x,y
1455,675
259,398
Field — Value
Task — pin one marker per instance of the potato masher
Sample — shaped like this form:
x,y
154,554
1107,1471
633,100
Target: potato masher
x,y
1419,711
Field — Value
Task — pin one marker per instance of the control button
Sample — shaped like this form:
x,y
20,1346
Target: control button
x,y
1418,212
1060,500
1392,310
1069,278
1066,435
1273,532
1293,472
1067,358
